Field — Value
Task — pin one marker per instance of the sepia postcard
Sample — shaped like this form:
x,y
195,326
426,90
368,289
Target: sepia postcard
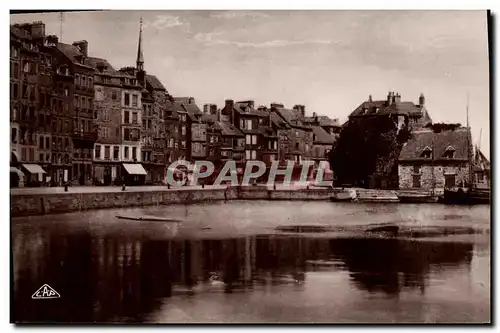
x,y
250,166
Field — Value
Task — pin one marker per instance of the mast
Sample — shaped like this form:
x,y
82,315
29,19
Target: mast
x,y
468,143
61,20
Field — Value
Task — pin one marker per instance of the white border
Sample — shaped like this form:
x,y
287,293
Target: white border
x,y
190,4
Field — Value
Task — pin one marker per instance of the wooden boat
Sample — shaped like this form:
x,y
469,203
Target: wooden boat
x,y
148,218
466,196
426,197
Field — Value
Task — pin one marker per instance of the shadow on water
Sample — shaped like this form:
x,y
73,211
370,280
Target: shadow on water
x,y
114,278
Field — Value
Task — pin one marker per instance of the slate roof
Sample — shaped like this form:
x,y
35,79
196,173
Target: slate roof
x,y
154,82
229,129
73,53
370,108
241,108
19,32
182,104
321,136
438,142
293,118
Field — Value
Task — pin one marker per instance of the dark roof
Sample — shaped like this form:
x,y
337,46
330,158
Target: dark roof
x,y
321,136
242,106
370,108
73,53
19,33
293,118
154,82
94,62
438,143
322,121
209,118
182,104
170,107
278,121
228,129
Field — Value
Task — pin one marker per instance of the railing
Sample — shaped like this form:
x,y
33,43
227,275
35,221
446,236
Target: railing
x,y
85,135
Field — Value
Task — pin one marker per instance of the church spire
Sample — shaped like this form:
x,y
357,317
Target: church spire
x,y
140,57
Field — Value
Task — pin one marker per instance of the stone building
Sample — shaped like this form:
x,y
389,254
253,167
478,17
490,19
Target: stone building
x,y
416,115
84,132
107,108
296,141
192,129
31,78
172,132
436,159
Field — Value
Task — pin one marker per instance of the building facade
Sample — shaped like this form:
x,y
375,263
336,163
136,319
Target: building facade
x,y
436,160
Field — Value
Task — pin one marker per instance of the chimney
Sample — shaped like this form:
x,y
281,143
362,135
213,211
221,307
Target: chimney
x,y
83,45
369,98
229,103
206,107
301,109
397,98
276,105
213,108
191,100
389,98
38,29
421,99
218,112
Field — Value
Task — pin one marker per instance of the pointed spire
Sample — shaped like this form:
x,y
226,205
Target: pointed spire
x,y
140,57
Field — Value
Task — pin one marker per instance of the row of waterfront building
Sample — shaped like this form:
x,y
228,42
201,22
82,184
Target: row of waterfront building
x,y
76,119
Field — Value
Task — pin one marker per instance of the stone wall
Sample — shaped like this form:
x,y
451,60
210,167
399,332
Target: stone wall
x,y
23,205
428,177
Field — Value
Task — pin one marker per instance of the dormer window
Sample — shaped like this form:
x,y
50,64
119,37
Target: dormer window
x,y
377,110
365,110
427,152
449,152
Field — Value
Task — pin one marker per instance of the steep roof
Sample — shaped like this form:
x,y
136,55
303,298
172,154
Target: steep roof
x,y
370,108
154,82
321,136
292,117
438,143
73,53
241,107
228,129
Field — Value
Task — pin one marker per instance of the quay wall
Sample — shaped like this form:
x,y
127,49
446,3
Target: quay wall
x,y
39,204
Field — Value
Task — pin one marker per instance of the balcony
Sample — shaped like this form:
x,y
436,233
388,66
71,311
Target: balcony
x,y
86,136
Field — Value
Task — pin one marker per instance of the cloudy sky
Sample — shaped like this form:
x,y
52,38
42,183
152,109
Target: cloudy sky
x,y
329,61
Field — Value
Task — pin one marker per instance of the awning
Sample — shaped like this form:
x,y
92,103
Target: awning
x,y
33,168
16,170
134,169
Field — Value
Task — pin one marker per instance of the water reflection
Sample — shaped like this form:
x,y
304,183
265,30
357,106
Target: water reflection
x,y
116,277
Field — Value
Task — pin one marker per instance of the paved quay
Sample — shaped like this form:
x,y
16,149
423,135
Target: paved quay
x,y
114,189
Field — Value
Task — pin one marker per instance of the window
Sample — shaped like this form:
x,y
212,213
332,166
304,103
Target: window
x,y
275,145
144,123
134,153
183,130
248,154
16,92
126,152
134,100
149,123
242,124
13,134
114,95
134,117
248,138
254,139
183,144
449,152
249,124
416,181
97,151
40,142
171,142
107,152
90,82
66,92
416,169
126,134
47,142
427,152
127,99
84,82
127,117
254,155
116,152
77,80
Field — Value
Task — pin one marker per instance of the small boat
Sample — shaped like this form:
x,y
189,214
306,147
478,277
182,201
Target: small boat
x,y
415,197
466,196
148,218
343,196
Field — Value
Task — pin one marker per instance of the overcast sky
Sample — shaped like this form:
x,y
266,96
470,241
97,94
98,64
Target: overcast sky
x,y
329,61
